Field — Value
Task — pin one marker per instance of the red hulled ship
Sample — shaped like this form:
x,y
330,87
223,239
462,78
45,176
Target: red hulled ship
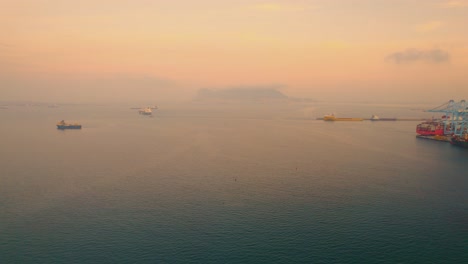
x,y
430,128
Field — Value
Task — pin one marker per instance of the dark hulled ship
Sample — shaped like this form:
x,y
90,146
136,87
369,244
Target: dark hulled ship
x,y
63,125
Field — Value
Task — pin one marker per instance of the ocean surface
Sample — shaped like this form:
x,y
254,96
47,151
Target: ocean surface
x,y
232,183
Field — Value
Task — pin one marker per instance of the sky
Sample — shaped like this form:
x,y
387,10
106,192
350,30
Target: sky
x,y
117,50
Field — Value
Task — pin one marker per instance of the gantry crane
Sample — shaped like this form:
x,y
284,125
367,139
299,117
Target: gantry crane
x,y
455,117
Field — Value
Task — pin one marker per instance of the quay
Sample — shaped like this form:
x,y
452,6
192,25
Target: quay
x,y
387,119
436,138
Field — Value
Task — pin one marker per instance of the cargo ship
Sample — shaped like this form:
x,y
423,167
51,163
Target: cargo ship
x,y
332,117
430,128
145,111
63,125
377,118
460,141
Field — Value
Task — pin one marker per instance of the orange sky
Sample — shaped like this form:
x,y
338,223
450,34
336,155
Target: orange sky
x,y
313,48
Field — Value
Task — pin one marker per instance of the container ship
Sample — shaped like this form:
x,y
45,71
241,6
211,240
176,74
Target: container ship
x,y
451,127
430,128
460,141
63,125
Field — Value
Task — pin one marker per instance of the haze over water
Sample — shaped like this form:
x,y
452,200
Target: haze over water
x,y
237,183
233,167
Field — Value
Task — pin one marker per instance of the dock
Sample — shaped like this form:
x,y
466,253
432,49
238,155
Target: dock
x,y
397,119
387,119
436,138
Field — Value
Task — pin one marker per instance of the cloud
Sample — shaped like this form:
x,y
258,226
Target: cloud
x,y
429,26
454,4
415,55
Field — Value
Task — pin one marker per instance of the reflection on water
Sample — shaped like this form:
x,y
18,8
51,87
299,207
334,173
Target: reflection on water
x,y
232,184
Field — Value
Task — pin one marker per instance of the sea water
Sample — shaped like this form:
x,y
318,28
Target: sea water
x,y
233,183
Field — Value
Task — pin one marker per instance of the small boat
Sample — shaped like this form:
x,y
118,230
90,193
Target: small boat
x,y
63,125
460,141
430,128
332,117
145,111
